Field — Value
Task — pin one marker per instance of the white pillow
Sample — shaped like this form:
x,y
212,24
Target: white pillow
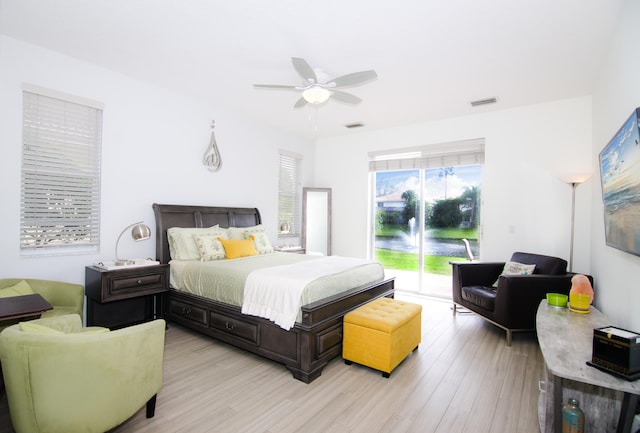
x,y
182,246
260,240
210,247
237,233
515,268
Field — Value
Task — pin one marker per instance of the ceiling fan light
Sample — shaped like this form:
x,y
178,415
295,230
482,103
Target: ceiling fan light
x,y
316,95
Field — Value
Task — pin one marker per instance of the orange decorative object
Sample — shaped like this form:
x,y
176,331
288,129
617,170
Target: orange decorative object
x,y
581,284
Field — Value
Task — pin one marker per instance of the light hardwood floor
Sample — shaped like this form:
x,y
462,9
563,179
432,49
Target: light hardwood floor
x,y
463,378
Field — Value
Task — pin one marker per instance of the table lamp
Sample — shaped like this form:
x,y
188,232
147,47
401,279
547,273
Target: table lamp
x,y
139,232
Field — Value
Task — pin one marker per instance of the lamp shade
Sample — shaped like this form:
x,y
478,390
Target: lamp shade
x,y
139,232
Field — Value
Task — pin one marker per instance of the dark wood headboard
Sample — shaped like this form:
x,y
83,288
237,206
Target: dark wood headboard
x,y
171,215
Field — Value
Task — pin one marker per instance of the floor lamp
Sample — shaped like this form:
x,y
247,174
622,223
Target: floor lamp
x,y
574,182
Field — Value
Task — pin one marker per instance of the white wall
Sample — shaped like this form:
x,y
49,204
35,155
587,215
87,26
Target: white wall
x,y
616,96
525,204
153,143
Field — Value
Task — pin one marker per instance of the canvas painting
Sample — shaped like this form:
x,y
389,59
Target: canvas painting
x,y
620,175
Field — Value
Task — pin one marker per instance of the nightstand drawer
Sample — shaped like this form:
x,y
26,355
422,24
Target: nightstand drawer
x,y
114,285
133,284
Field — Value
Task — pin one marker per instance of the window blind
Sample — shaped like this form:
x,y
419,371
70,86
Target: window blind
x,y
60,183
290,195
468,152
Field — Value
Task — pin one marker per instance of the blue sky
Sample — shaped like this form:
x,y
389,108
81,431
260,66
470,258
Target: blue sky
x,y
399,181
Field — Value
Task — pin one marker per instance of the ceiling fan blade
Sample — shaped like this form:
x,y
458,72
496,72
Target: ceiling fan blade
x,y
300,103
345,97
353,79
274,86
303,68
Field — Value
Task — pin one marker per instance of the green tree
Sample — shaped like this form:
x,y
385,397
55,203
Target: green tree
x,y
446,213
411,205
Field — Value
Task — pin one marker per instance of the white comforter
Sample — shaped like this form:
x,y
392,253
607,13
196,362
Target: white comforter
x,y
275,293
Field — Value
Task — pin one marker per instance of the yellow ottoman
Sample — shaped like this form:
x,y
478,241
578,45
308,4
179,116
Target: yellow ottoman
x,y
381,333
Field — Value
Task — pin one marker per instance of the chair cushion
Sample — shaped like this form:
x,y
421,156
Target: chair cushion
x,y
483,297
19,289
546,265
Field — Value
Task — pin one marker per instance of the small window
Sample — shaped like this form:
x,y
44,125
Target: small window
x,y
290,195
60,184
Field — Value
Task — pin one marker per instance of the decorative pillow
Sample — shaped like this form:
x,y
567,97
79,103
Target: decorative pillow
x,y
19,289
209,246
261,241
182,246
515,268
238,248
238,232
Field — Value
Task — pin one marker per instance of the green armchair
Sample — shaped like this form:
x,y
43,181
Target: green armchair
x,y
65,298
63,378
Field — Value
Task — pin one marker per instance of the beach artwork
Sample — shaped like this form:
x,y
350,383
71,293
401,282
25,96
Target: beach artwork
x,y
620,175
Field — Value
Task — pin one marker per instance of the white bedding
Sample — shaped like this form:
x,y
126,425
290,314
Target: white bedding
x,y
224,280
275,293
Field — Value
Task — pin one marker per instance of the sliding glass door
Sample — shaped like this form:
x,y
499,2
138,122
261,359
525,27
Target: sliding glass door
x,y
421,216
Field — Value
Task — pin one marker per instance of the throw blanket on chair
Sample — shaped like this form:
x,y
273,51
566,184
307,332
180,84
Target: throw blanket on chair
x,y
275,293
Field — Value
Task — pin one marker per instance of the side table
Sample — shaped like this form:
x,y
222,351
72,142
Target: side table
x,y
291,249
18,307
122,297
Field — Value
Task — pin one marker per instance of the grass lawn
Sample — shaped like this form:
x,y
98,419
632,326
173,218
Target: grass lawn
x,y
409,261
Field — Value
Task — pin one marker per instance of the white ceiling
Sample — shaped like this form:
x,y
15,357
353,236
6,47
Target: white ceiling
x,y
432,56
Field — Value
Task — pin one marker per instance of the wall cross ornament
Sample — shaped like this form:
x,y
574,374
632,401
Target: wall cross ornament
x,y
212,155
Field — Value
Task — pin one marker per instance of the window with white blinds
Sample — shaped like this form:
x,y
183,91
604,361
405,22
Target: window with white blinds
x,y
60,193
290,195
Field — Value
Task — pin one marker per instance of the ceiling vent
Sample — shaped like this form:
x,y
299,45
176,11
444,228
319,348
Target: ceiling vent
x,y
483,102
354,125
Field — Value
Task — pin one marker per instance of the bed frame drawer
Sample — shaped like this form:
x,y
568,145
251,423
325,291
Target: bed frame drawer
x,y
188,311
246,330
328,339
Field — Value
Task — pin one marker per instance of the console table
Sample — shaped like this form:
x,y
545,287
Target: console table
x,y
566,342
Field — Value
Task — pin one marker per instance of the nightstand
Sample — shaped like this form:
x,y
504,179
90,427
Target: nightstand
x,y
291,249
122,297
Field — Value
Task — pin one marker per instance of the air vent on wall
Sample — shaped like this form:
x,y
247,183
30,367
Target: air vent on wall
x,y
483,102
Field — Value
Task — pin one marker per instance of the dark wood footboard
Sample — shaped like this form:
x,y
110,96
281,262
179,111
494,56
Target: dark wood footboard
x,y
305,349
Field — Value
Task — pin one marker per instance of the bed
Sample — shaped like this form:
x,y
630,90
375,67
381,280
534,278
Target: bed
x,y
305,349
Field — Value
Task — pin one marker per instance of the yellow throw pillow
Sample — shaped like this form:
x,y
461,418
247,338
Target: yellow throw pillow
x,y
22,288
238,248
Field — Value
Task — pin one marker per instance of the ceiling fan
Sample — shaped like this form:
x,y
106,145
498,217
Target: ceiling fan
x,y
316,92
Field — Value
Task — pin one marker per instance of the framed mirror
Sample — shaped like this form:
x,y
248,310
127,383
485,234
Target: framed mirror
x,y
316,220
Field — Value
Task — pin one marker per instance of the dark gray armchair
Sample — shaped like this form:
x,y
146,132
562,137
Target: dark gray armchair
x,y
512,305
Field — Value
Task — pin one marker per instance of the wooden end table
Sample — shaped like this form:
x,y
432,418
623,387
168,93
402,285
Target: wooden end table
x,y
18,307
